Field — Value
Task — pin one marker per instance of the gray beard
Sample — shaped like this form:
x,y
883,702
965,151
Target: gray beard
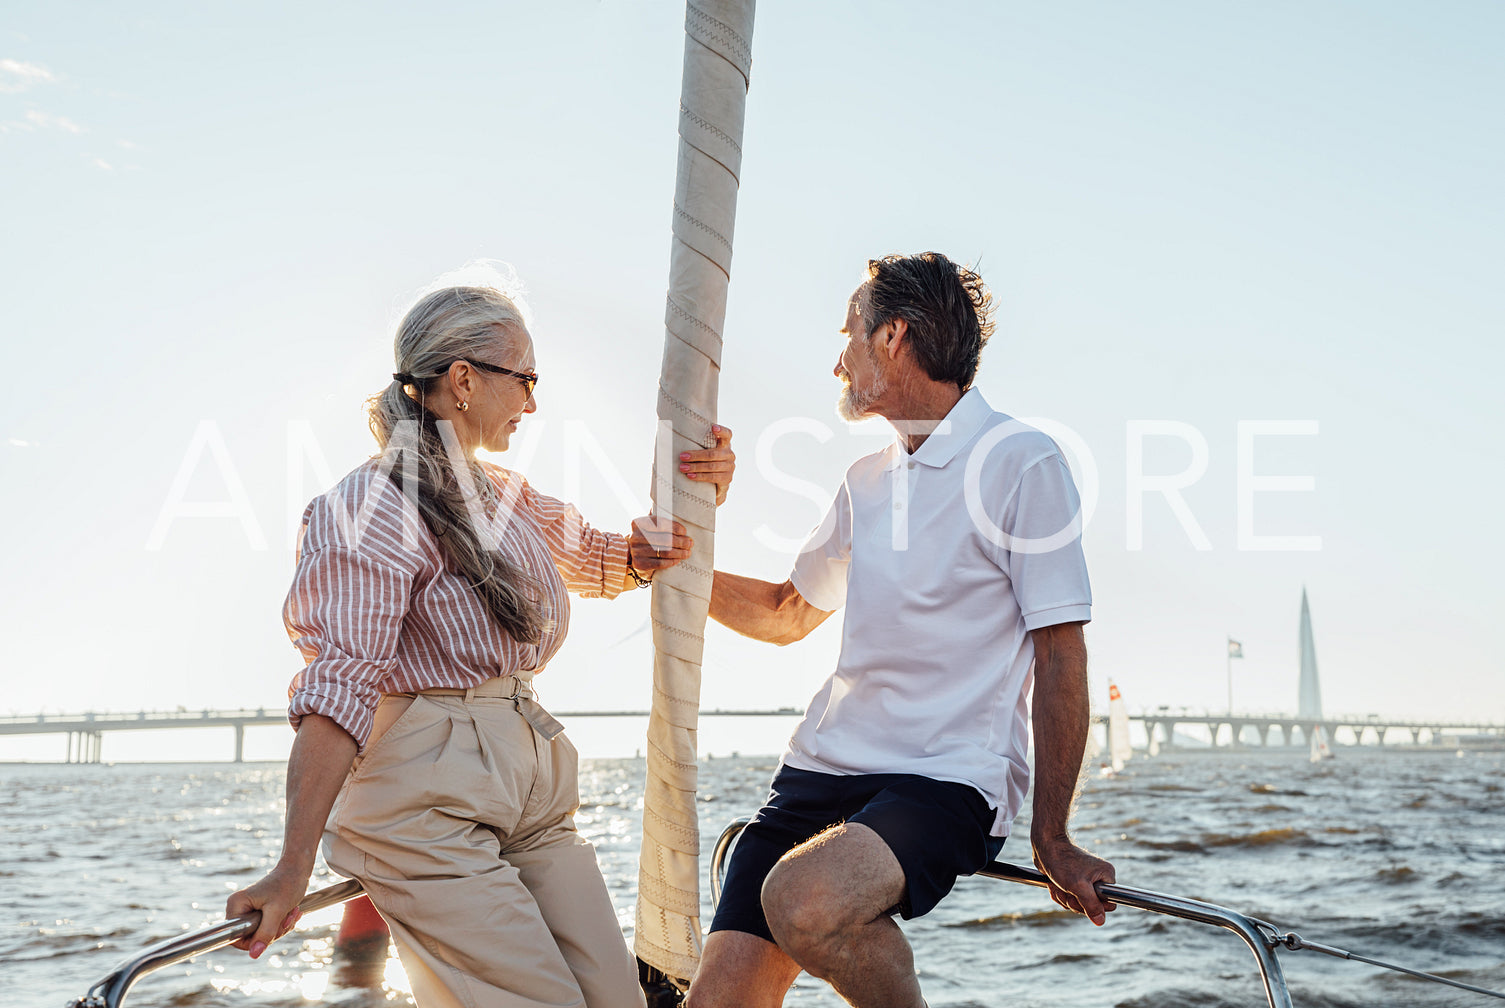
x,y
853,408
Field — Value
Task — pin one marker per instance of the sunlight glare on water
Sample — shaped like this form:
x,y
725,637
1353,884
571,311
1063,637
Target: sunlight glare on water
x,y
1379,852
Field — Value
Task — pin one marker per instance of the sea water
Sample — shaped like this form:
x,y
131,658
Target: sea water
x,y
1398,855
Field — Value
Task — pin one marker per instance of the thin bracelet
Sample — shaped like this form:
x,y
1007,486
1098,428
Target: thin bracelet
x,y
642,582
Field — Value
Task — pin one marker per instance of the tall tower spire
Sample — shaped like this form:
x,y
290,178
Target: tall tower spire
x,y
1310,689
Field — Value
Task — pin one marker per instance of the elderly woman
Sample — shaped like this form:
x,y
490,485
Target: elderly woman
x,y
430,588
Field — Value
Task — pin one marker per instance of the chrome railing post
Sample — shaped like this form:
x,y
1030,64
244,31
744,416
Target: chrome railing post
x,y
1246,928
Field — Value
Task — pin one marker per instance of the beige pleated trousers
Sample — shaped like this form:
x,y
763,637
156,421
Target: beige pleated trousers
x,y
458,818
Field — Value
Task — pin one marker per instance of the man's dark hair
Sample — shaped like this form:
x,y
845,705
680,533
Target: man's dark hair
x,y
946,306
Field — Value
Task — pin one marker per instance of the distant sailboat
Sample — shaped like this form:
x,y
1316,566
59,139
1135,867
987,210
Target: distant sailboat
x,y
1320,749
1153,749
1119,750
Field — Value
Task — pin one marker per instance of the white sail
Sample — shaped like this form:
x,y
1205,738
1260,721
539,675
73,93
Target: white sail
x,y
1119,750
713,94
1153,749
1320,749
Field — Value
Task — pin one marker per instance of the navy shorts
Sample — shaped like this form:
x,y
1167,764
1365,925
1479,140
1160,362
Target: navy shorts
x,y
938,830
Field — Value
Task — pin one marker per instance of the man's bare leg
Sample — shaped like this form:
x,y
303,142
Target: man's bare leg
x,y
739,970
826,904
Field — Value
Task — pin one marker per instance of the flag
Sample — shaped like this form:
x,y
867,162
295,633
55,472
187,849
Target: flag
x,y
1235,649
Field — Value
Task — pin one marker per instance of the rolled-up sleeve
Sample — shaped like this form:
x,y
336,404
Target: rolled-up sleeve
x,y
344,614
591,562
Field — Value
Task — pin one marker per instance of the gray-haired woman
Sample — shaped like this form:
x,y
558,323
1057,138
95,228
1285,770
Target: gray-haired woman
x,y
430,588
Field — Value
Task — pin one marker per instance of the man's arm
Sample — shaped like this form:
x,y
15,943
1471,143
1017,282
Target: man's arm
x,y
764,611
1061,715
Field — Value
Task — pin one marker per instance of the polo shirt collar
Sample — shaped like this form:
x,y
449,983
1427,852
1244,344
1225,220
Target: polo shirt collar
x,y
955,432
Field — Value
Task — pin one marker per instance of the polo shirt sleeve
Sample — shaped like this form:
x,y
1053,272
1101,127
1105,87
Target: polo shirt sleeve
x,y
820,571
1042,551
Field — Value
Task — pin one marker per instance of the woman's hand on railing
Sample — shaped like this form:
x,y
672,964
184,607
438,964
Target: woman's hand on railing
x,y
716,464
277,897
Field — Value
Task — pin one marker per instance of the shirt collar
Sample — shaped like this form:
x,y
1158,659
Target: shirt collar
x,y
958,428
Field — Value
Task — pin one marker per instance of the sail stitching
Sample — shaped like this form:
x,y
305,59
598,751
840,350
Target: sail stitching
x,y
723,33
689,495
692,319
688,899
700,571
681,701
688,412
687,837
676,631
678,210
711,129
673,762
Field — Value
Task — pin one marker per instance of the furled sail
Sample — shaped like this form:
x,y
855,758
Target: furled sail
x,y
713,94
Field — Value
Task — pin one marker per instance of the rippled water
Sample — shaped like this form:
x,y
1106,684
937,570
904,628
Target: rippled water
x,y
1395,855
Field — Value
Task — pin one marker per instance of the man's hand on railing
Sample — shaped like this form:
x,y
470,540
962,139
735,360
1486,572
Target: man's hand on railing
x,y
1072,874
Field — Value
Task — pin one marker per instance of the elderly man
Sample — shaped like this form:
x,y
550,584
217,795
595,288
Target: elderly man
x,y
957,554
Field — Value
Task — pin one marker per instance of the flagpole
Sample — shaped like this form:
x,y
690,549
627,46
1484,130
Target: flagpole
x,y
1228,661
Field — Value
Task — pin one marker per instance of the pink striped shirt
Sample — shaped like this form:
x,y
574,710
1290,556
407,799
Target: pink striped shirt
x,y
374,611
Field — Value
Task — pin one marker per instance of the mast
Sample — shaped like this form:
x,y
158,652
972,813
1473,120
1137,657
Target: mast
x,y
713,96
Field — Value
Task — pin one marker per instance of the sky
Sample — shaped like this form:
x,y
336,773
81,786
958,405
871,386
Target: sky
x,y
1249,252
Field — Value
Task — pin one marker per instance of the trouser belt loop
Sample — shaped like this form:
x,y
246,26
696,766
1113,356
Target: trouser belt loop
x,y
520,692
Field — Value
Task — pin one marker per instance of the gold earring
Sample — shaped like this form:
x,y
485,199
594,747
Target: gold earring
x,y
462,406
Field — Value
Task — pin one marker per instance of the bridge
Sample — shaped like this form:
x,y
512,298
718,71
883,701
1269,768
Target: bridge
x,y
1227,730
86,732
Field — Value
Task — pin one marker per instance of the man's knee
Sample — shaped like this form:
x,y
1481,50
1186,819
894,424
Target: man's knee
x,y
839,881
802,907
811,901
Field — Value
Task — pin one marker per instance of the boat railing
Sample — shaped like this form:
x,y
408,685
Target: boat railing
x,y
1258,935
1253,932
1262,937
110,992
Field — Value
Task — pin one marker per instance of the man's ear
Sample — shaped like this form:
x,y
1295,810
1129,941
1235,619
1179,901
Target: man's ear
x,y
898,335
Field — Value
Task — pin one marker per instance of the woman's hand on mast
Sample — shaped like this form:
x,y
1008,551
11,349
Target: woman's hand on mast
x,y
715,464
654,546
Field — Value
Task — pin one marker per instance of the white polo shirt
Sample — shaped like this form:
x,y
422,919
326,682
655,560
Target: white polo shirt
x,y
945,560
